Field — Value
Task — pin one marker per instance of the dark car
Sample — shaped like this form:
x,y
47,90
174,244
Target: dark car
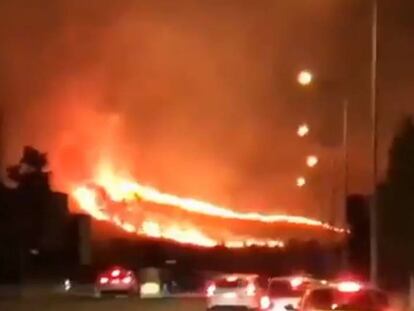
x,y
117,280
345,296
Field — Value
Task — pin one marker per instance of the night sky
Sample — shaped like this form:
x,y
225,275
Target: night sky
x,y
199,98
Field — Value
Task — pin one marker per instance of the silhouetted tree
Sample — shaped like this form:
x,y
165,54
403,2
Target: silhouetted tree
x,y
357,214
30,172
396,206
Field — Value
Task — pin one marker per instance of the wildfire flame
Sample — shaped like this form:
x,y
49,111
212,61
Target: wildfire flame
x,y
121,189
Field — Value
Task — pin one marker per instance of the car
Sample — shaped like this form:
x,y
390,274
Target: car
x,y
117,280
235,290
284,291
344,296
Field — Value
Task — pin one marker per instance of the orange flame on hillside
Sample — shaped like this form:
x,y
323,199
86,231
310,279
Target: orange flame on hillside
x,y
127,191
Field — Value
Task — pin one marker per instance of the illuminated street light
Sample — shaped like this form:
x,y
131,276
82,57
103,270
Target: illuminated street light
x,y
303,130
305,77
300,181
312,160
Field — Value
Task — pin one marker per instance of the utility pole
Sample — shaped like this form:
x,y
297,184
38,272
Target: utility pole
x,y
374,145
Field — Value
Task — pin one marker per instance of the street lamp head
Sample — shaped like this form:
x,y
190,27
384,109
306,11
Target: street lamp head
x,y
305,77
300,181
303,130
312,160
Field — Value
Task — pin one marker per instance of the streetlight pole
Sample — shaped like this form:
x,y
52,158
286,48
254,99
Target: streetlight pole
x,y
374,145
345,108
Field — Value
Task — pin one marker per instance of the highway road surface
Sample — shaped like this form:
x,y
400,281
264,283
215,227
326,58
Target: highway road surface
x,y
87,303
73,303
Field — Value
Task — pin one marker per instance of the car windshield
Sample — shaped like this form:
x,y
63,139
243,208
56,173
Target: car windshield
x,y
332,299
285,289
231,283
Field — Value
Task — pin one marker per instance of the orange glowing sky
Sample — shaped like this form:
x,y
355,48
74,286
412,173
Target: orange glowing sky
x,y
198,98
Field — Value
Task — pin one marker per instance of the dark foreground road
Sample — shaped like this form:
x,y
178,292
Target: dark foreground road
x,y
66,303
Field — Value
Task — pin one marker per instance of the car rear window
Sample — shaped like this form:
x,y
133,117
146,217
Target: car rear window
x,y
226,283
332,299
285,289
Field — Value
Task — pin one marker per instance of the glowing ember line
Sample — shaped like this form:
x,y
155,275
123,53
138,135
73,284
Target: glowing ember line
x,y
87,199
191,205
121,189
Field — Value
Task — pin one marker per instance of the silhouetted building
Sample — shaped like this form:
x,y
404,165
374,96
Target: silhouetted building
x,y
54,223
38,234
80,240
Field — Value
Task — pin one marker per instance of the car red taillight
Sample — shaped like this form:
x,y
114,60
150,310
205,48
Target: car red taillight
x,y
115,273
127,280
251,289
210,290
103,280
296,281
349,287
265,303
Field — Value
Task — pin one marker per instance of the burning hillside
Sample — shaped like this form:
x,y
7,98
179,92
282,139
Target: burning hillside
x,y
146,211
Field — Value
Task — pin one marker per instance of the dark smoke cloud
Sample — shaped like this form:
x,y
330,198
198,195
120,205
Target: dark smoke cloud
x,y
194,97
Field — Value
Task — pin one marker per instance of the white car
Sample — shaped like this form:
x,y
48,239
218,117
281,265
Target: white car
x,y
235,290
288,291
117,280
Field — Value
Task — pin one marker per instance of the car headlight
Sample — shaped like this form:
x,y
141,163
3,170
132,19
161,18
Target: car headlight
x,y
67,285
